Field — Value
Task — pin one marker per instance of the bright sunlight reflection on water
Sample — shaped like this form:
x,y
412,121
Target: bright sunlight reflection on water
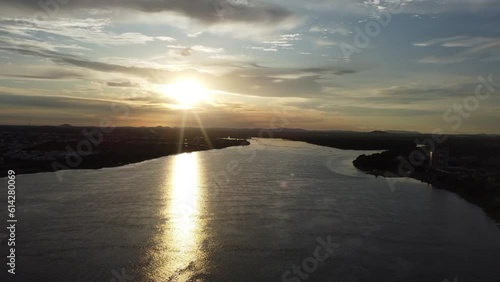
x,y
178,246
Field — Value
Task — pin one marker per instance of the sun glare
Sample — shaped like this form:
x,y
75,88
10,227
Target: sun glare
x,y
186,92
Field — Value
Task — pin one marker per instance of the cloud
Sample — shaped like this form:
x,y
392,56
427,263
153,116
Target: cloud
x,y
330,30
205,49
122,84
439,41
418,93
186,51
442,60
194,34
279,82
251,80
324,42
87,30
360,109
41,73
409,6
77,111
265,49
205,11
469,48
72,60
146,110
284,41
51,102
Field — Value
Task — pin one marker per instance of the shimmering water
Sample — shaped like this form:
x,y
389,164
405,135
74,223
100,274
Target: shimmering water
x,y
246,214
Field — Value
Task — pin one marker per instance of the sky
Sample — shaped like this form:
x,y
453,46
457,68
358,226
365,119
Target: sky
x,y
419,65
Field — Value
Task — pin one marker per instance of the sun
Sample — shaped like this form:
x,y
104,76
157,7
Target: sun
x,y
186,92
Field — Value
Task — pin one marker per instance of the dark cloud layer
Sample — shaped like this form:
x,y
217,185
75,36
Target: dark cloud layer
x,y
124,84
48,75
207,11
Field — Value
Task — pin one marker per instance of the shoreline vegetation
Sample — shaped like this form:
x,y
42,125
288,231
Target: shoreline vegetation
x,y
115,157
51,149
475,186
470,167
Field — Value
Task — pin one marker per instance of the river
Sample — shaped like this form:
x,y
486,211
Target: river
x,y
272,211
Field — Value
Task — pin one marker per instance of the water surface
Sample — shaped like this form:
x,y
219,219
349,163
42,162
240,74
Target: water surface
x,y
247,214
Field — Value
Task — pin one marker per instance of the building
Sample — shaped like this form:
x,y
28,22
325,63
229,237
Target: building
x,y
439,158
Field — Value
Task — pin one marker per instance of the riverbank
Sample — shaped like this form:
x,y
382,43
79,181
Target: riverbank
x,y
477,179
111,154
475,186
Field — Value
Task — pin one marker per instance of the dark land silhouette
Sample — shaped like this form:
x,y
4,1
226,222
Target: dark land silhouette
x,y
42,149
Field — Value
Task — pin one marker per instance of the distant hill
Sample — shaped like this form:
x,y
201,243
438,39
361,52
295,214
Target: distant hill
x,y
402,132
65,125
